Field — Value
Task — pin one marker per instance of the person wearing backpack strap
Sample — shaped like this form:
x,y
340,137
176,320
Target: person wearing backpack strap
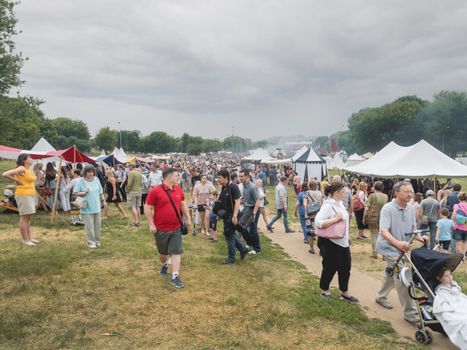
x,y
163,206
430,208
371,216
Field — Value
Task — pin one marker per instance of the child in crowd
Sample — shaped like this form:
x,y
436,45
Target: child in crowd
x,y
450,308
444,230
212,217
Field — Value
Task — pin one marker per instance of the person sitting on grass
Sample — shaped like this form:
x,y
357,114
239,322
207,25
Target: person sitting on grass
x,y
444,228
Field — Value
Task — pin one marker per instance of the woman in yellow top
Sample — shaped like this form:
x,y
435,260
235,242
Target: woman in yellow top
x,y
25,195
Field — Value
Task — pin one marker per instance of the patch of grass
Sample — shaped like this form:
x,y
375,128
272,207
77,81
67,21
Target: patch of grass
x,y
64,295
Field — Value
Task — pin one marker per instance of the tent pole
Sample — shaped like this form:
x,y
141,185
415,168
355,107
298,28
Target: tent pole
x,y
74,157
434,187
54,207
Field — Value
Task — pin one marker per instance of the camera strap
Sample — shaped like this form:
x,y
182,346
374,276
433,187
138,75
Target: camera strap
x,y
173,205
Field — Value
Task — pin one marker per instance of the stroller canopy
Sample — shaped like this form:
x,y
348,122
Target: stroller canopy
x,y
429,263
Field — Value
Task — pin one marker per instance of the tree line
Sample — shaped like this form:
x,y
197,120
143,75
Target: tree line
x,y
441,122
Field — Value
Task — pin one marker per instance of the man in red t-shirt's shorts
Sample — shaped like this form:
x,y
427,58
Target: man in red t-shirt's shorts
x,y
165,210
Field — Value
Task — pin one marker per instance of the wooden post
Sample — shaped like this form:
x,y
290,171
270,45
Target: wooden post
x,y
54,207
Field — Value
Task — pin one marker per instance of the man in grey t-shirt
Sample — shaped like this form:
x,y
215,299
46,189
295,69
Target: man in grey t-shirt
x,y
397,218
281,205
250,206
430,207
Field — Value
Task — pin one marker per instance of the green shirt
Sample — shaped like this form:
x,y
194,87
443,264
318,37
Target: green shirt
x,y
135,181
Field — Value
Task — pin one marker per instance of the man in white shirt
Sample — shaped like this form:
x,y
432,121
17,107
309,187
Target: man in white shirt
x,y
155,176
281,205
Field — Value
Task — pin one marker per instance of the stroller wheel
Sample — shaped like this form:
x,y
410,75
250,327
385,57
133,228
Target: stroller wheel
x,y
423,337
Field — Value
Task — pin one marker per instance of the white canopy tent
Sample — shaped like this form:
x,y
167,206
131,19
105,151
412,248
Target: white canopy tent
x,y
338,161
354,159
309,164
42,146
120,155
258,155
421,160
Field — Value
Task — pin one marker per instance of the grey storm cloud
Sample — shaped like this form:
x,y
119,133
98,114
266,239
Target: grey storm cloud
x,y
267,67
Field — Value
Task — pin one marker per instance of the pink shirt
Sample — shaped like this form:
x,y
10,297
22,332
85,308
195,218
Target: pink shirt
x,y
463,207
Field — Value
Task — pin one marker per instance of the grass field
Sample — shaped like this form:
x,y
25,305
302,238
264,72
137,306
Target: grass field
x,y
62,295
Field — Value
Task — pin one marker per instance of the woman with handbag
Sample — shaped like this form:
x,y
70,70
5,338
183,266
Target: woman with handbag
x,y
90,195
332,228
373,207
359,209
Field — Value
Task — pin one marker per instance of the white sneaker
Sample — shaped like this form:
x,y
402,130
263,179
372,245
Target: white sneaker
x,y
252,252
92,245
35,241
29,243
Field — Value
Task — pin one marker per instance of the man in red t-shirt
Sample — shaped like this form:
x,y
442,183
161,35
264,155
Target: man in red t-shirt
x,y
165,222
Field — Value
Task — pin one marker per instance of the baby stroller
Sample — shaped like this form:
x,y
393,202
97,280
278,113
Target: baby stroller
x,y
425,264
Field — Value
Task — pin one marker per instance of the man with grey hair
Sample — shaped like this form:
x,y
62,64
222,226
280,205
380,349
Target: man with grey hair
x,y
396,219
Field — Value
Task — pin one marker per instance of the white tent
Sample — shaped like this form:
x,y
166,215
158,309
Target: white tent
x,y
329,162
354,159
42,146
421,160
309,164
339,160
258,155
120,155
299,153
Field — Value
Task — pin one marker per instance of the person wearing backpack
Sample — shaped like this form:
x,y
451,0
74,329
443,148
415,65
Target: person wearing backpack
x,y
373,206
459,217
430,208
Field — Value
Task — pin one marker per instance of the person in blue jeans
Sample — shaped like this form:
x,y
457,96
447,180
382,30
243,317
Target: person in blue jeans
x,y
444,230
300,207
430,209
230,203
281,205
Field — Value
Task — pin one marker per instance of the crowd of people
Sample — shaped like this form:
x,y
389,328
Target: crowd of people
x,y
222,189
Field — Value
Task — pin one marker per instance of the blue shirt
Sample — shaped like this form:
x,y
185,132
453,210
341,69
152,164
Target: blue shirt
x,y
445,229
301,208
93,197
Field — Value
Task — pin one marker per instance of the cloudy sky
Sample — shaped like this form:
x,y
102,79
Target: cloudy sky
x,y
264,67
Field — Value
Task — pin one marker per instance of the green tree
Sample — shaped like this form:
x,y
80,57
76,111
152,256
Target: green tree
x,y
10,62
323,142
184,141
131,140
235,144
69,127
160,142
24,112
106,139
445,120
372,128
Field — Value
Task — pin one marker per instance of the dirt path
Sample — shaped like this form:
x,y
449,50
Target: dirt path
x,y
362,286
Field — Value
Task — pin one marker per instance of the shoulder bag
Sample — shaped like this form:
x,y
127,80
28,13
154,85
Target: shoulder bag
x,y
426,218
183,226
335,231
81,201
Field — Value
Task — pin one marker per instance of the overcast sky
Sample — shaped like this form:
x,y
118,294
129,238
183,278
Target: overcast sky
x,y
265,67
